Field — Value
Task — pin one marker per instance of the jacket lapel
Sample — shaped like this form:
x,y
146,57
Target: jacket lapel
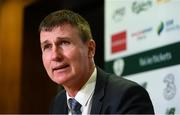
x,y
99,92
65,110
62,108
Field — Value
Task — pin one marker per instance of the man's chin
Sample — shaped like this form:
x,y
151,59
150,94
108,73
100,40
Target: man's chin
x,y
60,80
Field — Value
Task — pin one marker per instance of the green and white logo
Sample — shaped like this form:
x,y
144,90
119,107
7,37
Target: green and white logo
x,y
118,67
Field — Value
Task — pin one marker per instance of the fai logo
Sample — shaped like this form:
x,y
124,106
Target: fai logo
x,y
118,67
170,89
118,42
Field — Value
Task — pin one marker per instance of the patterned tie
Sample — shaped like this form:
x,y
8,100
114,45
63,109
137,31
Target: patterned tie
x,y
75,106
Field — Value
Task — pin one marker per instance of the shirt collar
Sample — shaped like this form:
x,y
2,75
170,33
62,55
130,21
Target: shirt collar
x,y
86,91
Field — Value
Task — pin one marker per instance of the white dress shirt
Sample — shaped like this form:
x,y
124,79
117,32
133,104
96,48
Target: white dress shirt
x,y
84,95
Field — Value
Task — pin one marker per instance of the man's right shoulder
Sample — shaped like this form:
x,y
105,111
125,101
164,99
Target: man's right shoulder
x,y
61,95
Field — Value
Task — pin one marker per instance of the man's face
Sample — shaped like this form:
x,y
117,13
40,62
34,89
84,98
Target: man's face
x,y
65,57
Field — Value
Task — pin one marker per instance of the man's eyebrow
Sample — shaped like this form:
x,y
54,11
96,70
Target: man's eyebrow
x,y
62,38
44,43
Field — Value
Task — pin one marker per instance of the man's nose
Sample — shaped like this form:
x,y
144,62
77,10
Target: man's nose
x,y
56,54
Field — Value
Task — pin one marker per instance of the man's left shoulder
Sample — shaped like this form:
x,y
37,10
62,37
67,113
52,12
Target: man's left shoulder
x,y
121,82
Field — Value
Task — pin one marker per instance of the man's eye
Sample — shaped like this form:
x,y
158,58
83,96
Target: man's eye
x,y
48,46
65,42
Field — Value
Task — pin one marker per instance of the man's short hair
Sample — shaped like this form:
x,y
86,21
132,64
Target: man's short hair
x,y
61,17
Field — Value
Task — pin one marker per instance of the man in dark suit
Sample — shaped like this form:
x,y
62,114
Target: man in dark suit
x,y
68,57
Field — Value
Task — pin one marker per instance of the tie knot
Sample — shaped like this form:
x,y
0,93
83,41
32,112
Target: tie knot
x,y
75,106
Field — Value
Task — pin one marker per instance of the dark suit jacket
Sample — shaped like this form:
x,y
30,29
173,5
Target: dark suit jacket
x,y
113,95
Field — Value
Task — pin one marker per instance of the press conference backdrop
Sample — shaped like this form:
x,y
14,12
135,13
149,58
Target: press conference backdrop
x,y
142,43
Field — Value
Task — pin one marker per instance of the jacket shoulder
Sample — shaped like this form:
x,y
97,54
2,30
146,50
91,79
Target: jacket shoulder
x,y
59,103
123,96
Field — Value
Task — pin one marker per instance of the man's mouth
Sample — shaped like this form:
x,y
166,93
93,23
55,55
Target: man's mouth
x,y
60,67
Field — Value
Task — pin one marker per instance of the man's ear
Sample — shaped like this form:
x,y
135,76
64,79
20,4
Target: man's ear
x,y
91,48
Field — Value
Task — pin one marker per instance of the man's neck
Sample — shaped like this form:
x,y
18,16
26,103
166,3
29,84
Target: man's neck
x,y
72,90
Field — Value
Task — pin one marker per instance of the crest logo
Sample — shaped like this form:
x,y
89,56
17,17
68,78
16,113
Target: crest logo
x,y
118,67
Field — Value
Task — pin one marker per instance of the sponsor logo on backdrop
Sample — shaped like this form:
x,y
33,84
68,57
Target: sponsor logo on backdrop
x,y
118,42
118,14
170,89
140,6
118,67
142,33
170,111
155,59
167,26
162,1
160,28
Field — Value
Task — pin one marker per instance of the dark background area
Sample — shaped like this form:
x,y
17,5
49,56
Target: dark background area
x,y
37,89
